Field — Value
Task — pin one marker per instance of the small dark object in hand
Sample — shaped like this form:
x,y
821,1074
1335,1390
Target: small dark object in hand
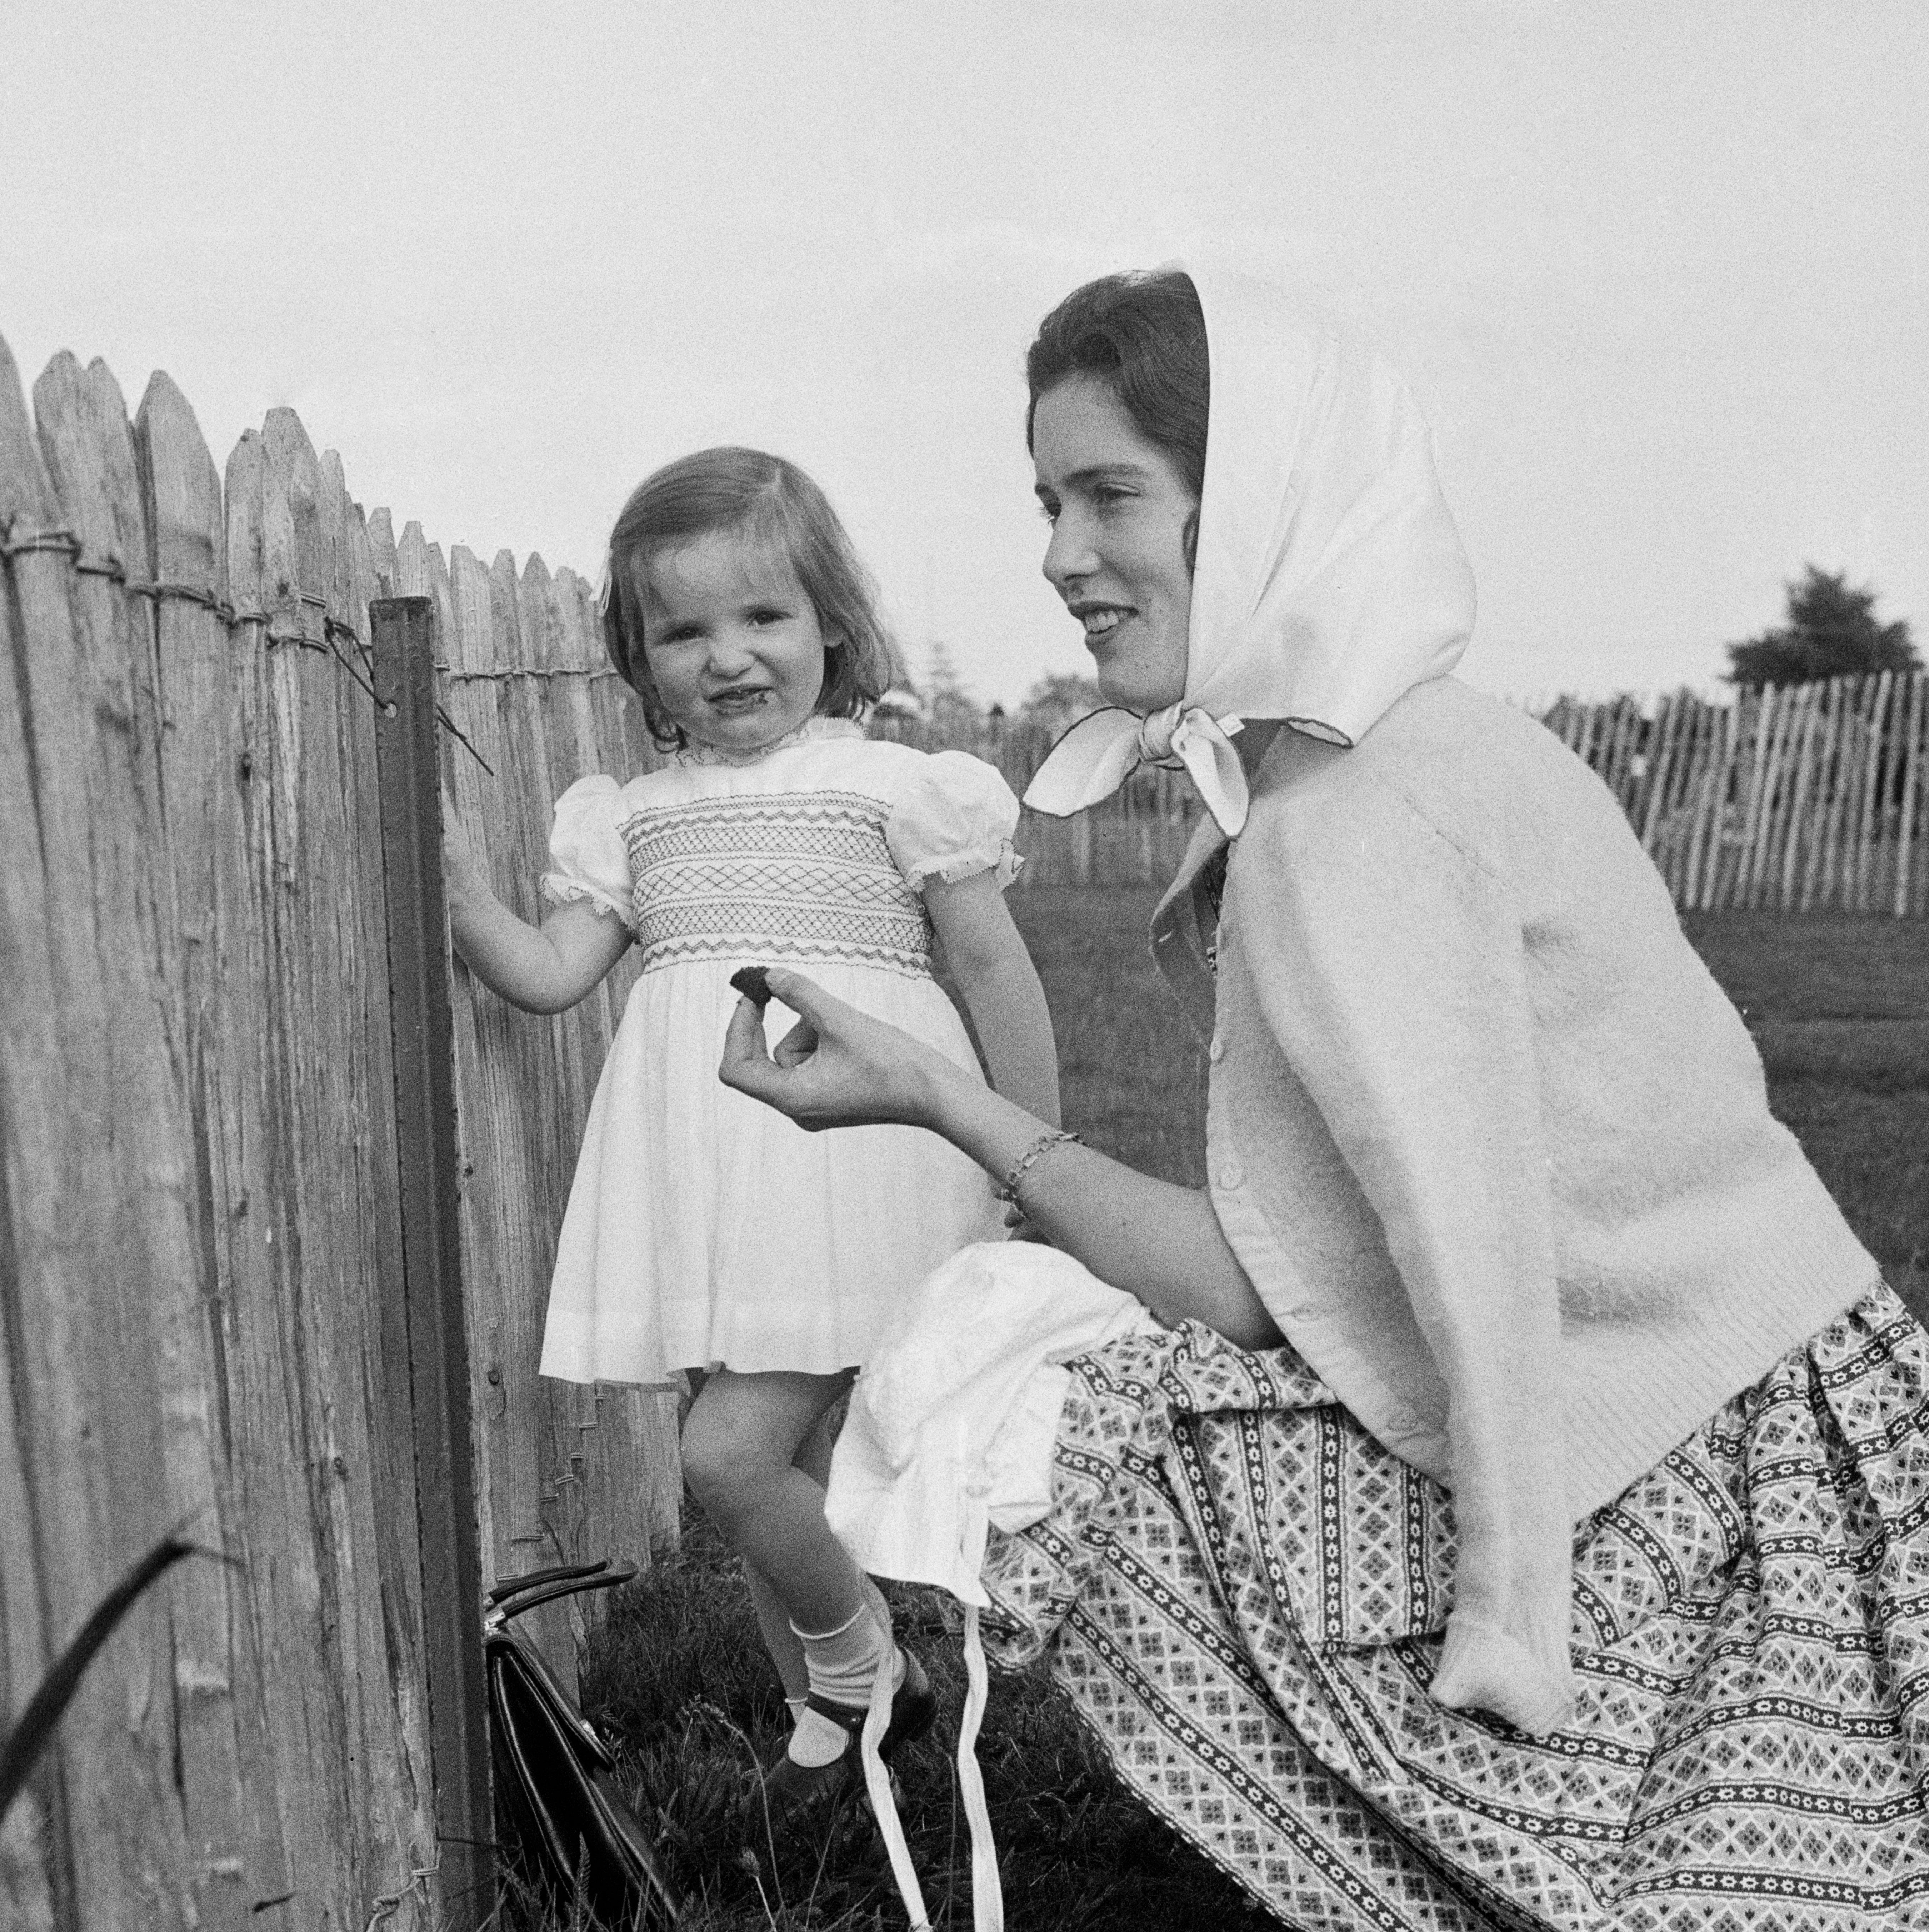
x,y
753,983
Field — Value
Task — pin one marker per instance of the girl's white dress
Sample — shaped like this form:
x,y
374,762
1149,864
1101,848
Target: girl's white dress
x,y
703,1228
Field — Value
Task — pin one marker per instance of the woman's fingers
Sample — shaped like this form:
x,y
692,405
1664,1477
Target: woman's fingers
x,y
744,1055
837,1067
803,995
797,1046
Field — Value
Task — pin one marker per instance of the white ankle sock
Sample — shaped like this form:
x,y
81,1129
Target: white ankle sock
x,y
843,1664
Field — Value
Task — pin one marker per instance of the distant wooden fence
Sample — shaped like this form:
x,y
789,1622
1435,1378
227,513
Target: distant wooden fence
x,y
203,1311
1812,796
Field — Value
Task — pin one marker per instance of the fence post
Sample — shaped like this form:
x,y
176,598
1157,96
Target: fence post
x,y
409,776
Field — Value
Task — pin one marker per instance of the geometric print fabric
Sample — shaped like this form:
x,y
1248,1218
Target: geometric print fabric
x,y
1243,1593
796,877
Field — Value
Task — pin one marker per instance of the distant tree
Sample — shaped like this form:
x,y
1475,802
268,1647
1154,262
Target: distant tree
x,y
1059,698
1831,631
948,705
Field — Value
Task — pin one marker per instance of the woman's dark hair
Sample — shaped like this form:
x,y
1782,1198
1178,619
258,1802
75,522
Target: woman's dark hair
x,y
764,500
1143,333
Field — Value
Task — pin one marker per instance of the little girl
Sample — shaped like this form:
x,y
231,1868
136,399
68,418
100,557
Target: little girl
x,y
706,1232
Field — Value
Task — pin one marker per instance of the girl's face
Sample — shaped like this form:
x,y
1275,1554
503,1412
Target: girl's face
x,y
731,639
1118,508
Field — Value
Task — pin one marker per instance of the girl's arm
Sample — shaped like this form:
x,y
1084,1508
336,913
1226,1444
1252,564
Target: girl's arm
x,y
1160,1243
542,969
994,973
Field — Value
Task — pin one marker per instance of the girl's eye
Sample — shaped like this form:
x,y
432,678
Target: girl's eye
x,y
1049,512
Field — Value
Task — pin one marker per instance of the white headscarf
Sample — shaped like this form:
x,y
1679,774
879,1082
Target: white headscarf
x,y
1330,579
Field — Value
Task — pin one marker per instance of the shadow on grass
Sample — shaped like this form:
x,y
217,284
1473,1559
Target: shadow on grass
x,y
678,1683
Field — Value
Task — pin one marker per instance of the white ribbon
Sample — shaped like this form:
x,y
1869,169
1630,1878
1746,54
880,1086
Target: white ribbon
x,y
1102,751
883,1806
988,1898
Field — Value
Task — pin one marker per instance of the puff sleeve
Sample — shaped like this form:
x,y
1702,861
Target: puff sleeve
x,y
956,817
587,856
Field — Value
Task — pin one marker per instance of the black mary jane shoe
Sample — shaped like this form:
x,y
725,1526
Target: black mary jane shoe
x,y
791,1789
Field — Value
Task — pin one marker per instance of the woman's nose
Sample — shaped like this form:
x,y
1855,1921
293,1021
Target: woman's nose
x,y
1069,555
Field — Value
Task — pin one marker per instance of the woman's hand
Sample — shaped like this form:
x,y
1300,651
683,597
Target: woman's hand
x,y
837,1067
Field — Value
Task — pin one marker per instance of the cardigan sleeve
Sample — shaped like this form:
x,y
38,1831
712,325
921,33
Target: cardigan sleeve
x,y
1391,966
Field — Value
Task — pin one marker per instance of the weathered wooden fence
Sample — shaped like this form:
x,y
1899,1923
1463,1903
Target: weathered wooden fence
x,y
1812,795
203,1313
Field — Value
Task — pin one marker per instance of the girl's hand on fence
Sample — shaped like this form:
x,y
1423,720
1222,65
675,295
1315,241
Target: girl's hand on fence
x,y
837,1067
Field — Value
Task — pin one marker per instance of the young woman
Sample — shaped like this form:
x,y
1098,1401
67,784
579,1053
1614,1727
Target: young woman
x,y
1524,1519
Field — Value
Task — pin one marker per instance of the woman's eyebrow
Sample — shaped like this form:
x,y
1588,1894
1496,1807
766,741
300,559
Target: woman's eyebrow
x,y
1096,472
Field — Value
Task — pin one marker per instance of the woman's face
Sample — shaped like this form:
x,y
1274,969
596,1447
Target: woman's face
x,y
1118,508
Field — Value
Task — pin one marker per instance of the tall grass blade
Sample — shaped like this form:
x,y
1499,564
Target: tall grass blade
x,y
33,1728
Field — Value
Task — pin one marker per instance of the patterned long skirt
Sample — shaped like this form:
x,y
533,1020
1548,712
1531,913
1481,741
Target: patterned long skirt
x,y
1244,1594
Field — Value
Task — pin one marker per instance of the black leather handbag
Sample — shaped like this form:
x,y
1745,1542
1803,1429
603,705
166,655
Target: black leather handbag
x,y
564,1826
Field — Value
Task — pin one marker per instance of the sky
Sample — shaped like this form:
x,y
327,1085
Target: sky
x,y
1657,272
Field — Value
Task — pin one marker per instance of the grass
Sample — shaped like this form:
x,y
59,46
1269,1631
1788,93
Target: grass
x,y
679,1684
1840,1008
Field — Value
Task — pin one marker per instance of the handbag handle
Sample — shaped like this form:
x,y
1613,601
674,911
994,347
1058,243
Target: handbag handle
x,y
533,1590
509,1585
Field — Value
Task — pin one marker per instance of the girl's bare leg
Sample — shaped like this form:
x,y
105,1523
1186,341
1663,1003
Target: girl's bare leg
x,y
786,1649
741,1442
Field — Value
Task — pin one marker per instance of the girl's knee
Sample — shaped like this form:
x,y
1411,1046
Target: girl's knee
x,y
705,1454
718,1464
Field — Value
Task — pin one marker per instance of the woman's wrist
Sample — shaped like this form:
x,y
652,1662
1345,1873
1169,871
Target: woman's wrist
x,y
942,1096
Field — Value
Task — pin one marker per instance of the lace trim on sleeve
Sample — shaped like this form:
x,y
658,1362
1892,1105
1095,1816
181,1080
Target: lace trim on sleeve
x,y
559,889
1006,861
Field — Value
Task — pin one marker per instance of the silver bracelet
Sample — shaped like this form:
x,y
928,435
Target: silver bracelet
x,y
1041,1147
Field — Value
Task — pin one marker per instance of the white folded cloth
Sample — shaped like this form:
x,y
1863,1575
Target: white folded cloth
x,y
951,1430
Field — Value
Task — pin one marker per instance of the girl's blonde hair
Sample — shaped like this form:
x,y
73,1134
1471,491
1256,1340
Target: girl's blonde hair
x,y
764,500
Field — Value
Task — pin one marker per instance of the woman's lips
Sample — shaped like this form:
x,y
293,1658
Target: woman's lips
x,y
1100,620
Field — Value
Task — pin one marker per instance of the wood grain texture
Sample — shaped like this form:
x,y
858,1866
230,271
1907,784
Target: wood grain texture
x,y
209,699
106,1338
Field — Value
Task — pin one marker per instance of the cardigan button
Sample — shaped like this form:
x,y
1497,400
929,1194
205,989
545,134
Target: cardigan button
x,y
1232,1175
1402,1422
1216,1051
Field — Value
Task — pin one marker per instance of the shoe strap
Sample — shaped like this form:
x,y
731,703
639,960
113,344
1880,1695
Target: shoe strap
x,y
849,1718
